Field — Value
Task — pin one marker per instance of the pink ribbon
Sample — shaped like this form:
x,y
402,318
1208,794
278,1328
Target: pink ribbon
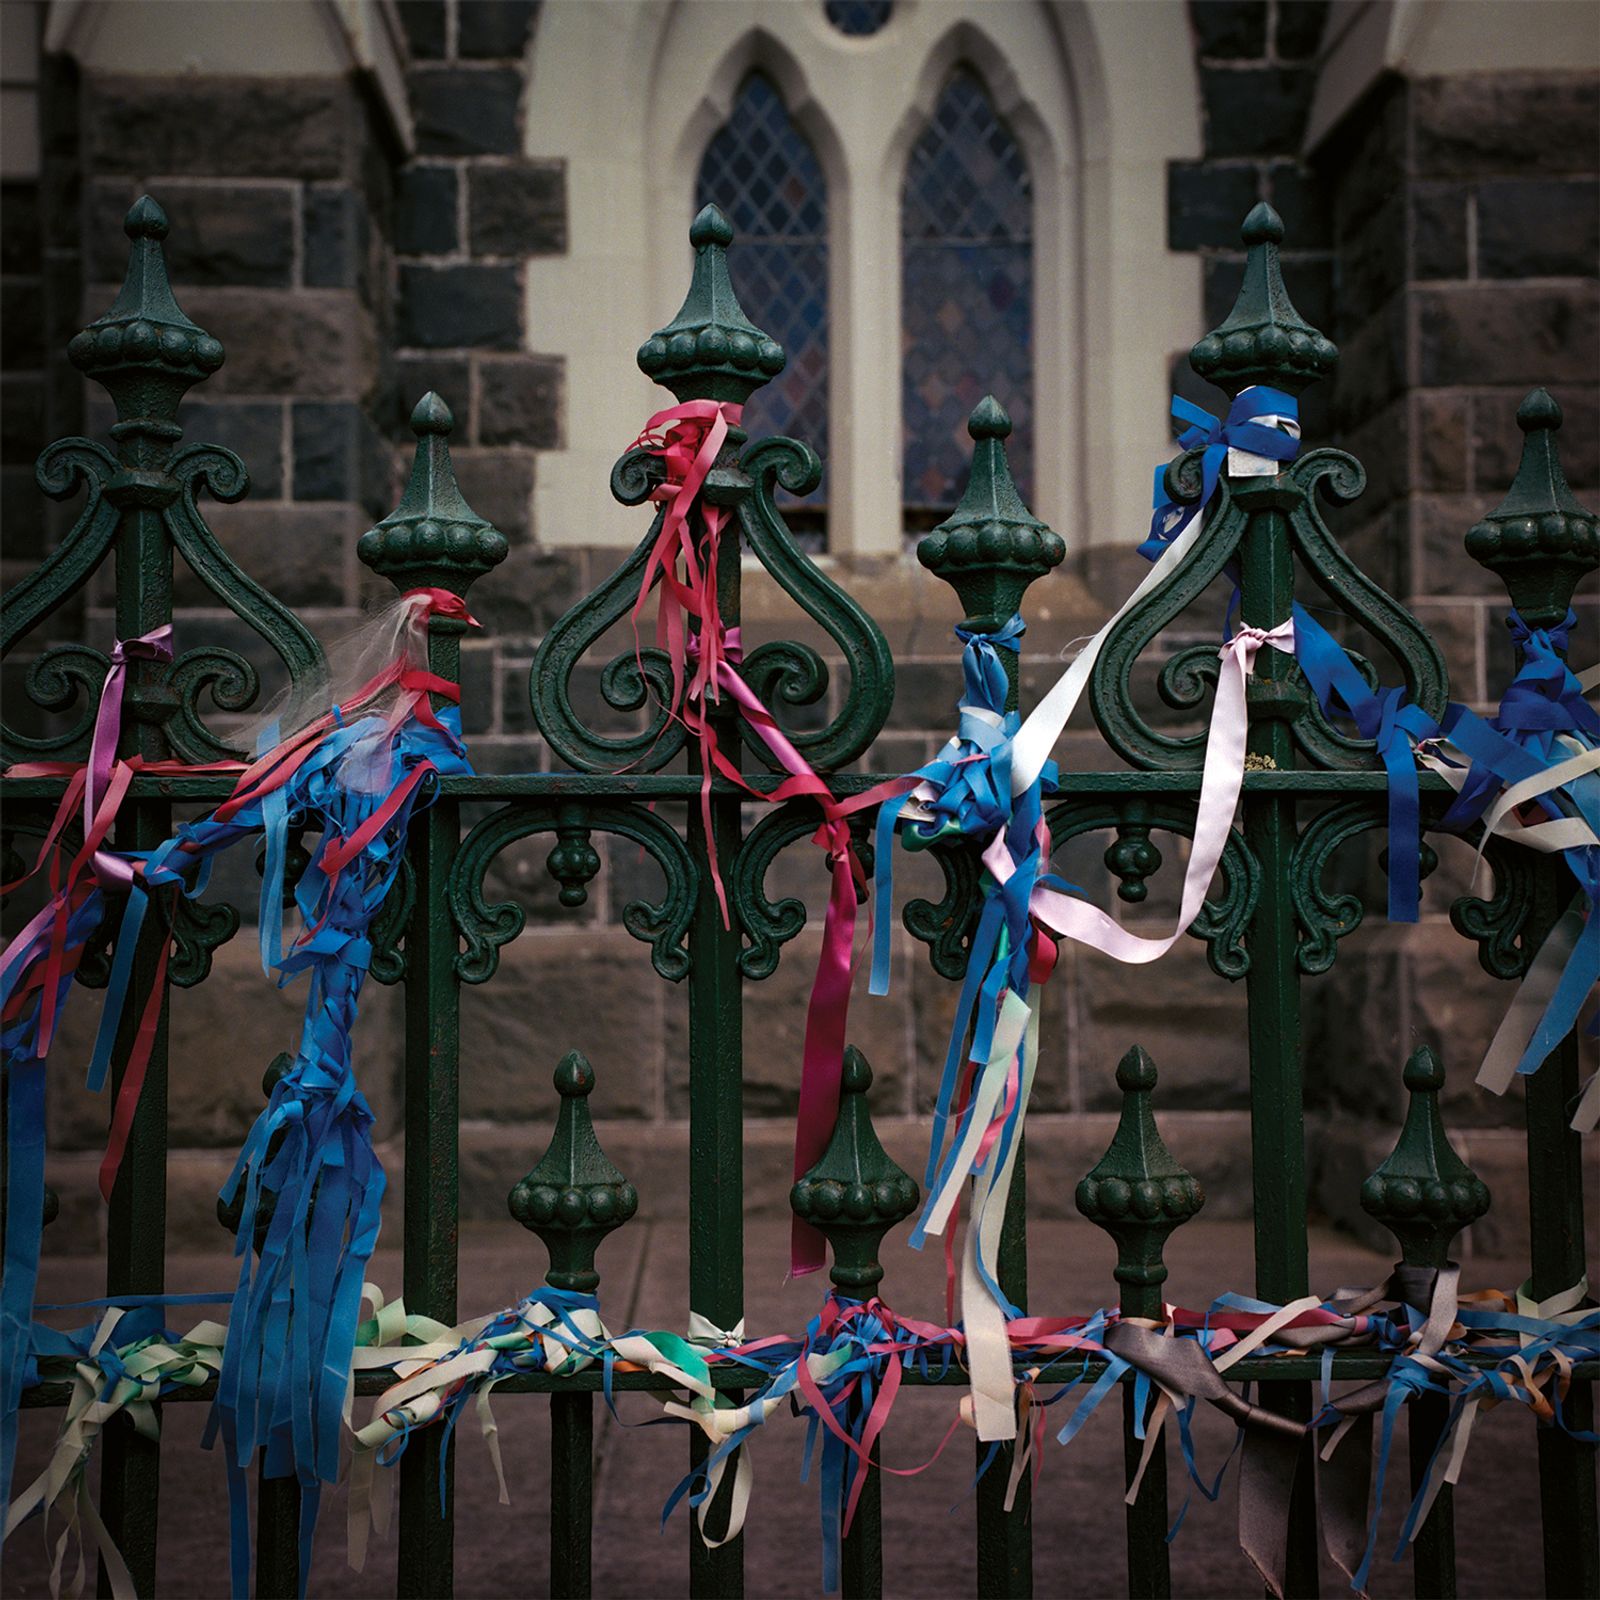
x,y
1219,795
156,645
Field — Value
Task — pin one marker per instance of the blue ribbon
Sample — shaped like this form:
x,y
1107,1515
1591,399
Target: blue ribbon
x,y
972,773
24,1176
1383,716
309,1157
1542,701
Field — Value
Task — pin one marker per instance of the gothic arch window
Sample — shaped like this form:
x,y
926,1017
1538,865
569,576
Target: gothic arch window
x,y
762,171
966,233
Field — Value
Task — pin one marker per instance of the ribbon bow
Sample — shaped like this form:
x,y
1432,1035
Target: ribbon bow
x,y
1243,430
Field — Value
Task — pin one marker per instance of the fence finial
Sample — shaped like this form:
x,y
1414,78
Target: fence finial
x,y
1424,1193
574,1197
991,547
1137,1191
711,350
1539,539
433,538
144,352
856,1193
1263,339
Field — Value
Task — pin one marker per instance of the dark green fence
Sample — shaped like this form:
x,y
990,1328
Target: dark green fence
x,y
1274,921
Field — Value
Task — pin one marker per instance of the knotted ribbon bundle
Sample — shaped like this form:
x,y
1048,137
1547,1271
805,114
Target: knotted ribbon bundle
x,y
36,979
127,1377
308,1183
1532,775
1025,905
705,654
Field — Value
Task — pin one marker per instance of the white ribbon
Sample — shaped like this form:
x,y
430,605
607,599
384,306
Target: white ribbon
x,y
1037,736
994,1409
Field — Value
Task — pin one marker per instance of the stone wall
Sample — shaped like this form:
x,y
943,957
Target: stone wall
x,y
1466,229
280,195
346,276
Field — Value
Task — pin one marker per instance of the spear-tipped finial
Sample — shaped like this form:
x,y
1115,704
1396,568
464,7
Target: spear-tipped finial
x,y
856,1193
1137,1191
433,538
1263,339
1424,1193
144,351
991,547
711,350
574,1197
1539,539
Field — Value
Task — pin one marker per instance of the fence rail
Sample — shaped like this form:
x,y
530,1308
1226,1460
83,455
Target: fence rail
x,y
1274,919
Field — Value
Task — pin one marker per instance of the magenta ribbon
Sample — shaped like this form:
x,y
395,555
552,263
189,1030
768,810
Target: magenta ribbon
x,y
704,654
828,1011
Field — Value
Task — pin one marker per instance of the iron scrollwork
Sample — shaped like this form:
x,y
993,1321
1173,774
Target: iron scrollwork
x,y
1498,924
1224,920
485,928
792,674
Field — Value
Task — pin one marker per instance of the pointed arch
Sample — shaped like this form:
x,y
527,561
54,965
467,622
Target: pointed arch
x,y
967,303
763,172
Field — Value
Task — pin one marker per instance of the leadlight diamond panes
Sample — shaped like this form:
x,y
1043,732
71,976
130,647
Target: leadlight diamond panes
x,y
761,170
966,226
858,17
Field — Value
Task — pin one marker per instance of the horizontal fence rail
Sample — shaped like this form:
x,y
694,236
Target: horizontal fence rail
x,y
1273,921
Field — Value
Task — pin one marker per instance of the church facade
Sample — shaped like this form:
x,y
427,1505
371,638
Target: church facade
x,y
933,200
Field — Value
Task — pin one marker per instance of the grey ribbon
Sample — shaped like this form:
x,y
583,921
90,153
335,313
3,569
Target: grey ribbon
x,y
1344,1483
1272,1443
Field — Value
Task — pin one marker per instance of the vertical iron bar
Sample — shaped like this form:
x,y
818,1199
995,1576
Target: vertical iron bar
x,y
432,1100
1005,1538
571,1494
137,1223
716,1105
1277,1112
861,1549
1570,1517
277,1538
1433,1555
1149,1569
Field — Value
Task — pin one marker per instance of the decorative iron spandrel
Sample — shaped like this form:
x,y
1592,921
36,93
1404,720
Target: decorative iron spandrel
x,y
141,504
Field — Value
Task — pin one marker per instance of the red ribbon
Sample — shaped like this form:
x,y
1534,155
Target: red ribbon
x,y
704,656
102,784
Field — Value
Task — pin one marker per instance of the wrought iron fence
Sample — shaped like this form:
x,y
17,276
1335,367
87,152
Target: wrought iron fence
x,y
1272,922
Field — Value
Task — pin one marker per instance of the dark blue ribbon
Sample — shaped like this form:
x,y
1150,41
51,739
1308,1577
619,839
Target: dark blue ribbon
x,y
1242,430
1383,716
1542,700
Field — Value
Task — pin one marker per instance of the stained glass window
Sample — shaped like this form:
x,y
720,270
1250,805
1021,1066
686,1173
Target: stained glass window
x,y
761,170
966,228
858,17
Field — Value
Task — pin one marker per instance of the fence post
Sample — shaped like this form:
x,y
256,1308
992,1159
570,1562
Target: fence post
x,y
712,351
572,1199
1540,542
146,354
433,538
1425,1194
1138,1193
1264,340
853,1196
989,549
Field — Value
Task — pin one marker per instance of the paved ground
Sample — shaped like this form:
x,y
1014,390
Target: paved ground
x,y
929,1519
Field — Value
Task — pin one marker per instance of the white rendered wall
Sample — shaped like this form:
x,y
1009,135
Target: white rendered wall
x,y
1429,38
1101,95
